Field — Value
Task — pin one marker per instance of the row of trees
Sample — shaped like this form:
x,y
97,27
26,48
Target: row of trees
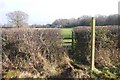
x,y
19,19
101,20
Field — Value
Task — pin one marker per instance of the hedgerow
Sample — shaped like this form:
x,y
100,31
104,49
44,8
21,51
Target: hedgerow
x,y
32,50
106,45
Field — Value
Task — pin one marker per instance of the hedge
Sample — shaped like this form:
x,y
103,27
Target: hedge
x,y
106,45
32,50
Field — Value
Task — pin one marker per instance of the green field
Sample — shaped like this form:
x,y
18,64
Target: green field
x,y
68,40
67,35
66,32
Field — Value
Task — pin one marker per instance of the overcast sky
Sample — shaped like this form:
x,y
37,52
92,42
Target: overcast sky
x,y
46,11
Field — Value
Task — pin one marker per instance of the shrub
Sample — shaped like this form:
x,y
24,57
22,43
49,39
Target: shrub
x,y
32,50
106,45
82,39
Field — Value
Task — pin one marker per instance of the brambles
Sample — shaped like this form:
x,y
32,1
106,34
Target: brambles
x,y
32,50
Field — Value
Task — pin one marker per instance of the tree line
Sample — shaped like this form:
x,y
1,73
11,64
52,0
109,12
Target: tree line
x,y
101,20
19,19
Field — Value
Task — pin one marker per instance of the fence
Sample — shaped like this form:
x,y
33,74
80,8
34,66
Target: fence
x,y
69,42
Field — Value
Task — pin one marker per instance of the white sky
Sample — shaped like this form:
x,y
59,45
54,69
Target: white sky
x,y
46,11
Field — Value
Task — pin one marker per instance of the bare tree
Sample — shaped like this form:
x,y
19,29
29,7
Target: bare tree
x,y
17,18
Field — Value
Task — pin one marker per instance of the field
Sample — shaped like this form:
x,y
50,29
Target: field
x,y
67,35
66,32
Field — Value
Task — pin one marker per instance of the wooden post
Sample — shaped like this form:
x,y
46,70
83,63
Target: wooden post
x,y
72,41
92,43
119,25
